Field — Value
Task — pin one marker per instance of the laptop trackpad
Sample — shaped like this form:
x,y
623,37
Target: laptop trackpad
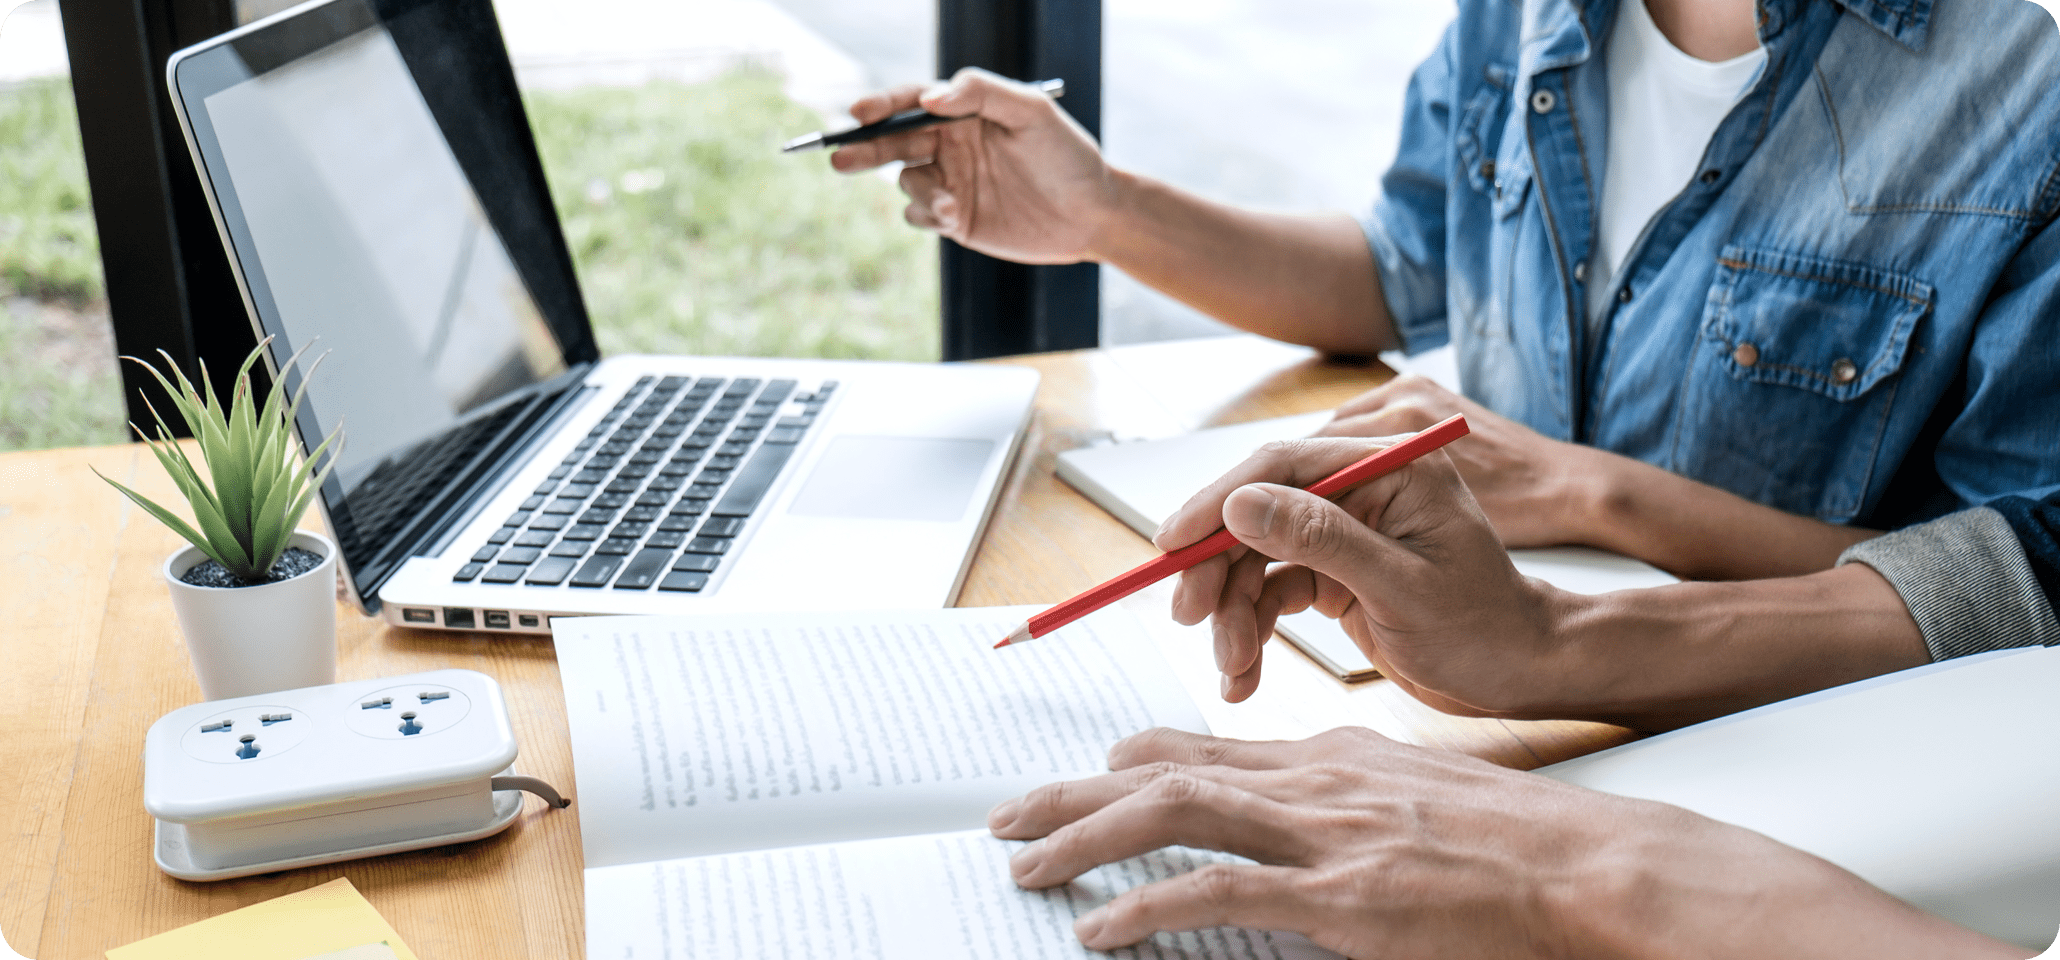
x,y
894,478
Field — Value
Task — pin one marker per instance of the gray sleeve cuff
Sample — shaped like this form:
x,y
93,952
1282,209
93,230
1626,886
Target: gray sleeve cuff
x,y
1966,581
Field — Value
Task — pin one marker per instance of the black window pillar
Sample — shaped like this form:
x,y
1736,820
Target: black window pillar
x,y
168,280
992,307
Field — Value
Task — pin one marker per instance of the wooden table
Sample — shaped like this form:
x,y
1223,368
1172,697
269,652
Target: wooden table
x,y
93,657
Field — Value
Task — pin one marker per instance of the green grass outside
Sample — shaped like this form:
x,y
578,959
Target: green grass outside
x,y
691,233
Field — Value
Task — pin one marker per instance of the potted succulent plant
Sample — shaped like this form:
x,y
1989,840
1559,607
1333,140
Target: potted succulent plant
x,y
256,599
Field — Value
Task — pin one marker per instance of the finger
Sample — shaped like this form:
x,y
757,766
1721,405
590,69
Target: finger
x,y
1403,387
1292,462
1196,591
1235,623
973,91
1180,808
925,188
1405,417
1217,895
875,107
916,146
1167,745
1054,805
1295,526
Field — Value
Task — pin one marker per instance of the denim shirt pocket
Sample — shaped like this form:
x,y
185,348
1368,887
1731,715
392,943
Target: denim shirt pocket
x,y
1479,135
1794,379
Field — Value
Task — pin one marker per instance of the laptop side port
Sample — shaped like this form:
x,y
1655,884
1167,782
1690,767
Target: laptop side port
x,y
458,618
418,615
495,619
528,620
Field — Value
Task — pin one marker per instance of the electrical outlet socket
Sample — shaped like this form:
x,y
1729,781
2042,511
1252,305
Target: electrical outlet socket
x,y
321,774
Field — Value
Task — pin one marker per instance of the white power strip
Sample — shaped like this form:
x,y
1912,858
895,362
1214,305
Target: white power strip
x,y
305,777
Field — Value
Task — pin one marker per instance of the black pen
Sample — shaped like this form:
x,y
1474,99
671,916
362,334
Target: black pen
x,y
901,122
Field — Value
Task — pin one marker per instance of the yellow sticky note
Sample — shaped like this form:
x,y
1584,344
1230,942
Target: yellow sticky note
x,y
330,919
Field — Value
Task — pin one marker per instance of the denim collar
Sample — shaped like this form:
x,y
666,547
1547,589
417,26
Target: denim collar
x,y
1556,34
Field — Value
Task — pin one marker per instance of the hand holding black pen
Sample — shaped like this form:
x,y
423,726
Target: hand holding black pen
x,y
901,122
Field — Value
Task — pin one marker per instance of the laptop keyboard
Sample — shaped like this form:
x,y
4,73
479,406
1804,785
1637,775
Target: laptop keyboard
x,y
655,495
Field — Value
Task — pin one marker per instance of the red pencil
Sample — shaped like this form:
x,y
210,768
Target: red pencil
x,y
1379,463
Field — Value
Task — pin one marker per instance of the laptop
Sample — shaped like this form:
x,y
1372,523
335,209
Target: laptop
x,y
374,180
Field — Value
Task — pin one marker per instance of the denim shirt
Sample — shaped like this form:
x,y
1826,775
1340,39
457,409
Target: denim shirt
x,y
1852,312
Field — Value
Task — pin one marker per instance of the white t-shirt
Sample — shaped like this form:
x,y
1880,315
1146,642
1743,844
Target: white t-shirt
x,y
1663,107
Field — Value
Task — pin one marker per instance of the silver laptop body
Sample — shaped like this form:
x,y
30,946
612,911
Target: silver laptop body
x,y
374,181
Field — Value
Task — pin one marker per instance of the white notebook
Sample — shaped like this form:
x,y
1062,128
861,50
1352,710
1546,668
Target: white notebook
x,y
817,785
1143,482
1940,785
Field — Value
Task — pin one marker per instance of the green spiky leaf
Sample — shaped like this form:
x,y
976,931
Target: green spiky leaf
x,y
254,490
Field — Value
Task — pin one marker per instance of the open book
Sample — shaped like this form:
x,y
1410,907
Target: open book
x,y
817,785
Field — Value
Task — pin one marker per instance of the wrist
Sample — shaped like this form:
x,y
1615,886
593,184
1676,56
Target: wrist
x,y
1114,229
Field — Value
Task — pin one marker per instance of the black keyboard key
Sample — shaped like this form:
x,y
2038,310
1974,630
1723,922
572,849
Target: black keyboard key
x,y
643,571
603,517
684,582
611,500
563,506
615,547
704,491
676,469
532,503
535,538
596,572
743,434
467,572
558,472
754,480
665,483
795,423
504,573
713,545
570,548
667,431
741,387
710,475
550,572
777,390
614,448
677,523
671,384
754,421
624,486
697,562
725,462
545,488
591,475
548,521
722,526
690,507
584,531
632,529
654,498
669,539
646,455
699,441
575,491
520,555
502,535
781,436
645,513
824,390
735,448
633,471
485,553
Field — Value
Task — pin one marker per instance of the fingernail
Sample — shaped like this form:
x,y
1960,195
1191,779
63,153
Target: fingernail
x,y
1025,860
1248,512
1224,687
1088,927
1004,813
1222,644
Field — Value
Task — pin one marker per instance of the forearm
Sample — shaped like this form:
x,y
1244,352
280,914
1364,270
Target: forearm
x,y
1691,529
1668,656
1302,279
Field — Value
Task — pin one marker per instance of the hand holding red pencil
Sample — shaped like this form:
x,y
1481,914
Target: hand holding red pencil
x,y
1377,464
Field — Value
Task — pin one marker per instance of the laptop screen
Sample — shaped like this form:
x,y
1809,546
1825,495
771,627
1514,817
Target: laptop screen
x,y
365,237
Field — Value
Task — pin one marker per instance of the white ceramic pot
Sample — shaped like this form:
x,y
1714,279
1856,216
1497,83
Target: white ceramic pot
x,y
246,640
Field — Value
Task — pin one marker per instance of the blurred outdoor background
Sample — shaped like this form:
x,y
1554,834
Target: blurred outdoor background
x,y
659,122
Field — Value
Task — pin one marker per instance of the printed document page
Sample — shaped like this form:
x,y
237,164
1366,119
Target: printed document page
x,y
702,735
943,895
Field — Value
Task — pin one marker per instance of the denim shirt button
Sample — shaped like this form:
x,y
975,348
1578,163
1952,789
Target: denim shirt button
x,y
1542,101
1746,355
1624,294
1712,176
1488,172
1581,272
1844,371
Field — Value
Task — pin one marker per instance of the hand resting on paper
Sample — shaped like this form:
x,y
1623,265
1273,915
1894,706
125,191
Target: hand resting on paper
x,y
1374,848
1541,492
1410,567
